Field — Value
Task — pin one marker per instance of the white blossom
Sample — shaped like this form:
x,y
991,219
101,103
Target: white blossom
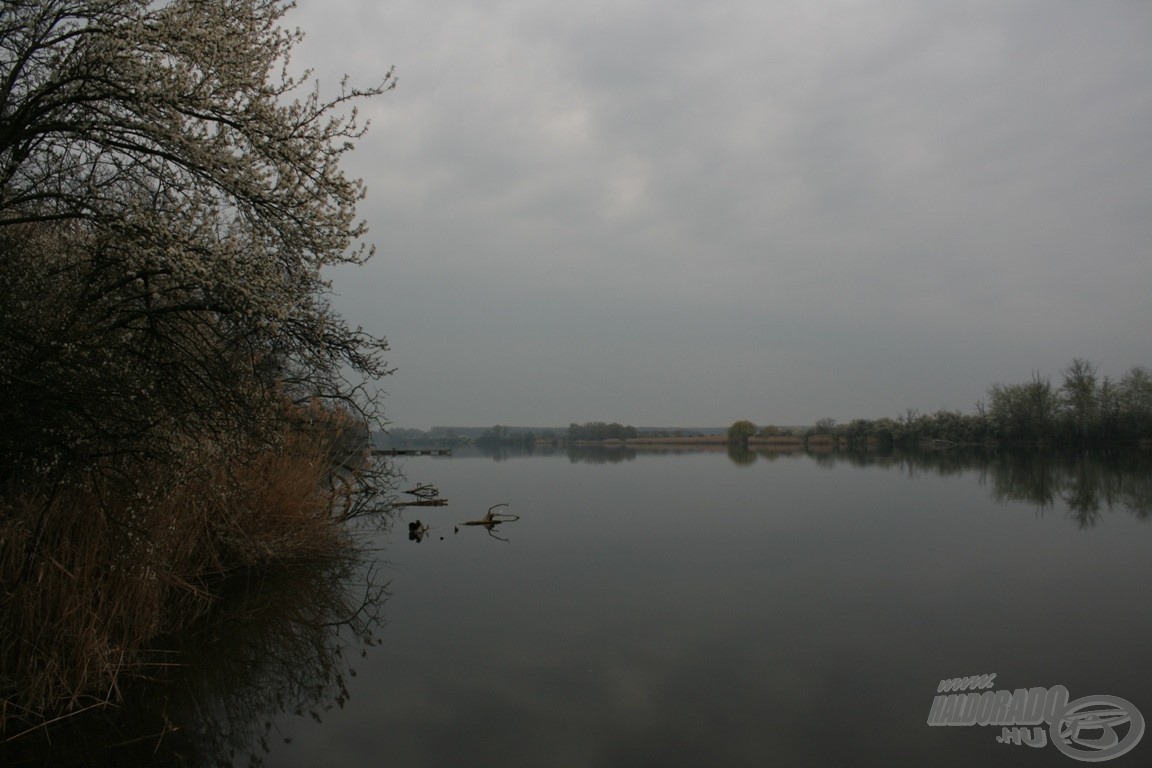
x,y
169,197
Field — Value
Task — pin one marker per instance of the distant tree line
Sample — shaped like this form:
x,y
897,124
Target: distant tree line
x,y
404,438
1084,409
598,430
447,437
507,436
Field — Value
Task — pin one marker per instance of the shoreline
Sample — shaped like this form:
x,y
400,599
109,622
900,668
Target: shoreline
x,y
780,441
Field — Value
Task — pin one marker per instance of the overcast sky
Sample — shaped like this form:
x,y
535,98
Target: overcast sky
x,y
687,213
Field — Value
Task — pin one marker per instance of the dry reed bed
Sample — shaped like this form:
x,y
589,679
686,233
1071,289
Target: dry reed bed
x,y
91,573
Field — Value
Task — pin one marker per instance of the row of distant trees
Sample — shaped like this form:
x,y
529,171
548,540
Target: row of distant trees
x,y
501,436
599,430
1082,409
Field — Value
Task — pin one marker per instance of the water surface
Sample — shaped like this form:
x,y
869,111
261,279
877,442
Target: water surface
x,y
700,609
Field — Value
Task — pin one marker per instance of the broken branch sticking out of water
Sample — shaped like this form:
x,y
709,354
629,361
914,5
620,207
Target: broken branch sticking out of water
x,y
492,519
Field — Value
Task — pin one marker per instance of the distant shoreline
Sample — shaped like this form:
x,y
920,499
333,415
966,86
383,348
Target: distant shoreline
x,y
780,441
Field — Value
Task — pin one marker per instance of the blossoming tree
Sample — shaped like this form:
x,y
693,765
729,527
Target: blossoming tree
x,y
170,196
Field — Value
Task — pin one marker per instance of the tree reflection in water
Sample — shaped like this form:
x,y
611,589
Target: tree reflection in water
x,y
1088,483
278,643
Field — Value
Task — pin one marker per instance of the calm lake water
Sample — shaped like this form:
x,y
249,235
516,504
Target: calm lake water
x,y
683,609
700,609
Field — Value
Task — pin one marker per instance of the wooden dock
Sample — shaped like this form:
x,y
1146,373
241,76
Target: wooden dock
x,y
416,452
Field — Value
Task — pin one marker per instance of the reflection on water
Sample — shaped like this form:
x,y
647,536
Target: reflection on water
x,y
684,608
1088,482
278,643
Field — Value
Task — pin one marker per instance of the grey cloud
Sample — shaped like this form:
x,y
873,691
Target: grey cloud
x,y
688,213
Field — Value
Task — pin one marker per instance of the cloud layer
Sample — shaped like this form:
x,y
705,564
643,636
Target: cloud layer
x,y
685,213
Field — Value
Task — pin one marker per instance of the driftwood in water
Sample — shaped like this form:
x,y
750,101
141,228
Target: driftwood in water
x,y
492,519
423,503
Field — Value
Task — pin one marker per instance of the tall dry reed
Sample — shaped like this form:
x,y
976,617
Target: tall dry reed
x,y
94,569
